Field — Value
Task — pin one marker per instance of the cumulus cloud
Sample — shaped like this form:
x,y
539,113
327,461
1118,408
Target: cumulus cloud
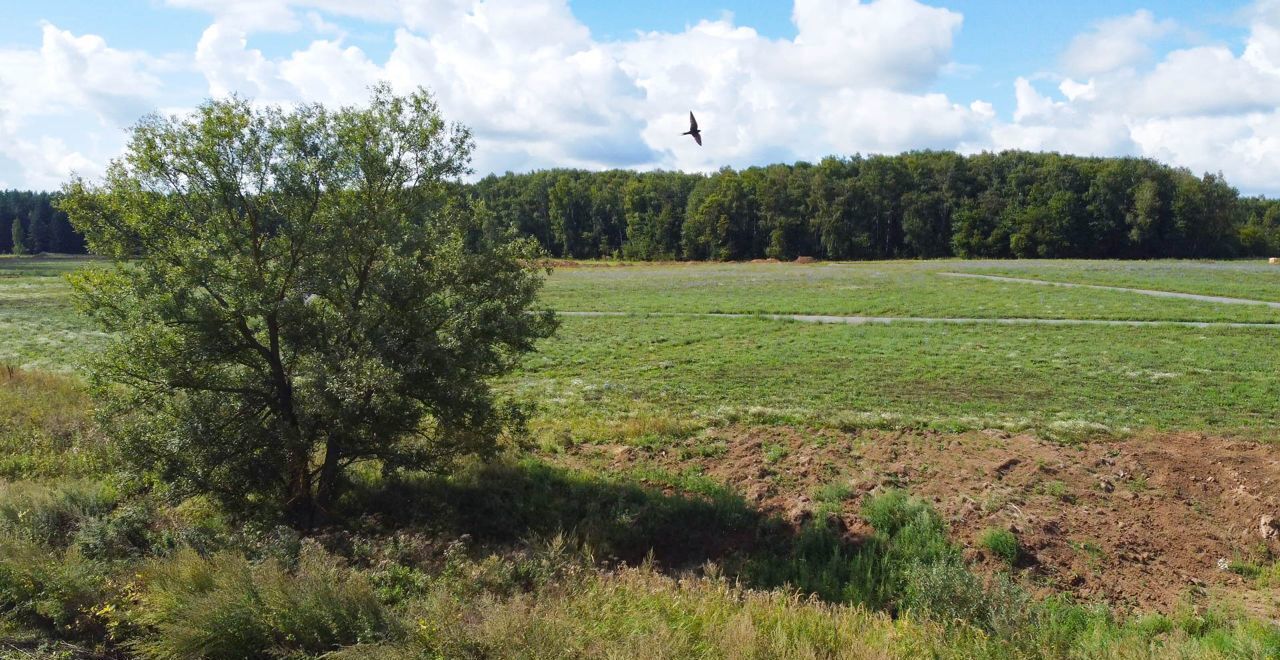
x,y
70,86
540,91
1114,43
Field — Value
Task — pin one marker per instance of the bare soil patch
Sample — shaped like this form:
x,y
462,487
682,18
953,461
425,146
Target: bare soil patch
x,y
1141,522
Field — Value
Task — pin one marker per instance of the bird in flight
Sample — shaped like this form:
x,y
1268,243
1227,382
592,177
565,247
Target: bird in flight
x,y
693,130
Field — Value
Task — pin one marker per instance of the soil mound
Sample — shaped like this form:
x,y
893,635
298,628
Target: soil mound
x,y
1145,521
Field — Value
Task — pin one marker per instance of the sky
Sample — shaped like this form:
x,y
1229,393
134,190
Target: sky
x,y
602,84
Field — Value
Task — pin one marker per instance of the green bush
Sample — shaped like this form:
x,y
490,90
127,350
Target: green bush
x,y
125,532
225,606
1001,543
52,512
50,589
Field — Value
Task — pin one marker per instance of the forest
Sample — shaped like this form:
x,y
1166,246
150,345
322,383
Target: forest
x,y
32,222
924,204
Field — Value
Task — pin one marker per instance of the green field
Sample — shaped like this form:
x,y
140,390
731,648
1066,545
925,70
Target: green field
x,y
915,288
678,372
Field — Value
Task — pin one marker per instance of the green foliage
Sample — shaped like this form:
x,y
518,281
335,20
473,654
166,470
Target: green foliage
x,y
54,590
296,292
226,607
18,237
917,204
1001,543
52,513
908,533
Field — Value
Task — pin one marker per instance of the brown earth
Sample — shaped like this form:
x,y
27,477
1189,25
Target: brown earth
x,y
1140,522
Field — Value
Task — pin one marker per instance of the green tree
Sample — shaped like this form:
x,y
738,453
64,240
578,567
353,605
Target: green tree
x,y
19,237
304,297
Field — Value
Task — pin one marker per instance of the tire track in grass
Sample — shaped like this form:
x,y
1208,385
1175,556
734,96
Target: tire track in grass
x,y
1146,292
886,320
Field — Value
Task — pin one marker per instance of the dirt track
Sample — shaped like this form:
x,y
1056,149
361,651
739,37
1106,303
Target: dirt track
x,y
885,320
1145,292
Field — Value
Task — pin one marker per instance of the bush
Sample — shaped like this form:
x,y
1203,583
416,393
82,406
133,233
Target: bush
x,y
52,590
227,607
52,512
1001,543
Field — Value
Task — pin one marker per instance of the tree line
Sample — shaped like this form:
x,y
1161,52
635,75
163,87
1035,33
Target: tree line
x,y
920,204
31,223
914,205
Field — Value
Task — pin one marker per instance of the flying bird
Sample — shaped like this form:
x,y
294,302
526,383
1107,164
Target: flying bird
x,y
693,130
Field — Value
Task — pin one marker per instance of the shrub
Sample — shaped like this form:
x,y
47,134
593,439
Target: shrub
x,y
227,607
52,512
125,532
1001,543
50,589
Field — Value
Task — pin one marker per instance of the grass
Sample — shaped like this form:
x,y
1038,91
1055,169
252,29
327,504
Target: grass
x,y
911,288
1252,280
1065,382
1002,543
39,329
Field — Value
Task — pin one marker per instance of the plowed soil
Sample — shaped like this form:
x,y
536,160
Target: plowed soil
x,y
1145,522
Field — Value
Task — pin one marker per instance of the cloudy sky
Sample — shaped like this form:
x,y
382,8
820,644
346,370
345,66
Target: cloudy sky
x,y
601,83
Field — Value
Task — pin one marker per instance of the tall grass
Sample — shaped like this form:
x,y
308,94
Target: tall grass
x,y
224,606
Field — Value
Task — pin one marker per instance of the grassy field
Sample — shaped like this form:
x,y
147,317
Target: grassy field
x,y
39,329
649,373
1059,380
912,289
524,557
1254,280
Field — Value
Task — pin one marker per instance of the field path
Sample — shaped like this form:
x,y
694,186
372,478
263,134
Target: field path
x,y
885,320
1145,292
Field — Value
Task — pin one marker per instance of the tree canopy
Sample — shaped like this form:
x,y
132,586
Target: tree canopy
x,y
297,291
919,204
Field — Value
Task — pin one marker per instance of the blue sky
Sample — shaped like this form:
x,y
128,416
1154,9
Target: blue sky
x,y
598,84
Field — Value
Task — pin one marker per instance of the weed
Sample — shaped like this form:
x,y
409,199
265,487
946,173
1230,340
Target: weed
x,y
1002,543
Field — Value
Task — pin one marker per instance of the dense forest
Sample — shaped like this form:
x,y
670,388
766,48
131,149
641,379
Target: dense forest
x,y
30,223
918,204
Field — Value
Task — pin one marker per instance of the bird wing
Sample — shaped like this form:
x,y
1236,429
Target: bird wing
x,y
693,123
697,137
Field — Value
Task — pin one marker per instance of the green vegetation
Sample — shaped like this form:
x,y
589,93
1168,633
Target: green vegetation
x,y
600,375
1002,543
31,223
39,327
877,289
921,204
310,301
1251,280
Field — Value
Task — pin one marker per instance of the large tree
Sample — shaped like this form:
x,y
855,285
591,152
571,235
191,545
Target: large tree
x,y
297,291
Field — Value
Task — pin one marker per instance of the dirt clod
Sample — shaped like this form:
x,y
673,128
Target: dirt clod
x,y
1269,527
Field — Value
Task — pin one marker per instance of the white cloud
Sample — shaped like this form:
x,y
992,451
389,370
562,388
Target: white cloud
x,y
1207,108
72,86
1114,43
539,91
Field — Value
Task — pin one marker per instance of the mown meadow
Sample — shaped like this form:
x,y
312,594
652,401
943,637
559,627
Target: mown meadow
x,y
541,553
